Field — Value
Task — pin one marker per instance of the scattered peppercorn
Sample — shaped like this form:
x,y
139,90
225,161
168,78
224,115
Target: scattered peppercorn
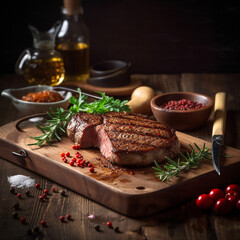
x,y
97,227
67,154
12,190
79,164
37,185
61,219
16,206
91,169
27,193
46,191
71,163
19,195
42,197
23,220
14,214
63,193
90,165
76,146
68,217
43,223
53,189
109,224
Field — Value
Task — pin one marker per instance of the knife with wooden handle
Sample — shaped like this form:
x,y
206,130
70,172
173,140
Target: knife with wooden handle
x,y
218,128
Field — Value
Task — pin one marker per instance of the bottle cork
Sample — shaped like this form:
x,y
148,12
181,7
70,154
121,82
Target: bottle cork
x,y
71,6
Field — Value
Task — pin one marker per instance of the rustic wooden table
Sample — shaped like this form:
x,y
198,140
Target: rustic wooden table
x,y
182,222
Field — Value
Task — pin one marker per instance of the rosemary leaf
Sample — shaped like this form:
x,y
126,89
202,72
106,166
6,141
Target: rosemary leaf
x,y
174,168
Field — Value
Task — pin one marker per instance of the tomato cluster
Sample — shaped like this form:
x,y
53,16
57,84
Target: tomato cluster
x,y
223,202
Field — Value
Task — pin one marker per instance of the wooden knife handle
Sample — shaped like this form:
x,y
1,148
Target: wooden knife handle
x,y
219,114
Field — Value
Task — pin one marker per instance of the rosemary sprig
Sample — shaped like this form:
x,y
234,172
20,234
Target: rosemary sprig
x,y
56,126
184,162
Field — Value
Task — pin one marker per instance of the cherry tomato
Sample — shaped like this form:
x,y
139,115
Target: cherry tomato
x,y
231,193
233,188
238,204
223,206
204,202
232,197
216,194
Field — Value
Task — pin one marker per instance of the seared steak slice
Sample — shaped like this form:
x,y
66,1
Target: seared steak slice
x,y
81,129
131,139
126,139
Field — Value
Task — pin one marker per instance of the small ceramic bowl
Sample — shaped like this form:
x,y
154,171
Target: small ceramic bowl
x,y
110,74
182,119
15,94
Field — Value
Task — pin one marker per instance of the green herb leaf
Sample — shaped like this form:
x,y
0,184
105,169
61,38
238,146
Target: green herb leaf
x,y
185,163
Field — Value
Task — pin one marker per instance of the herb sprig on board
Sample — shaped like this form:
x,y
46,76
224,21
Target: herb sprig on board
x,y
56,126
184,162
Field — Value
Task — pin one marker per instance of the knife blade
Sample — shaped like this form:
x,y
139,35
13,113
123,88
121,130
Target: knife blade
x,y
218,129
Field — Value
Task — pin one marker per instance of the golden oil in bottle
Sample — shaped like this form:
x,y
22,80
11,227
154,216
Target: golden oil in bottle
x,y
42,64
48,71
76,60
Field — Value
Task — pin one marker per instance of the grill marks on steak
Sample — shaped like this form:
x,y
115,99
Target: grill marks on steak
x,y
123,138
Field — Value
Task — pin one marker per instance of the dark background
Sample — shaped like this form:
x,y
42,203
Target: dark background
x,y
157,36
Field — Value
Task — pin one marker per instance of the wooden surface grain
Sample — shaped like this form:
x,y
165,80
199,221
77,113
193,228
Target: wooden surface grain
x,y
184,221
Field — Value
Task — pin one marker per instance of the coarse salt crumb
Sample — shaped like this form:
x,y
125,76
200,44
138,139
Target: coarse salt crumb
x,y
21,181
91,217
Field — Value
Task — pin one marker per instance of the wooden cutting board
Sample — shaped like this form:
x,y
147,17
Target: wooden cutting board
x,y
133,192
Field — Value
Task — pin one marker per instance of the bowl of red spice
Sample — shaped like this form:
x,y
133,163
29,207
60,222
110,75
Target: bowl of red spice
x,y
37,99
182,110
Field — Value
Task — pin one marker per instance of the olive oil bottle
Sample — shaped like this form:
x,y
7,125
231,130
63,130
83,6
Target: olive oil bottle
x,y
42,64
73,42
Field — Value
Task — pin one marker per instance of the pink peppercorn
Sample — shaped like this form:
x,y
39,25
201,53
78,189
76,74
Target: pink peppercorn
x,y
43,223
42,197
68,217
183,104
79,156
61,219
91,169
67,154
109,224
19,195
71,163
53,189
23,219
46,191
37,185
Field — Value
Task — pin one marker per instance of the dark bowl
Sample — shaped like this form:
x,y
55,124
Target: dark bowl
x,y
182,119
110,74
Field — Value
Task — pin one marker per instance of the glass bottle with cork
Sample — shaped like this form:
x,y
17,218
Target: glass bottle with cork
x,y
73,43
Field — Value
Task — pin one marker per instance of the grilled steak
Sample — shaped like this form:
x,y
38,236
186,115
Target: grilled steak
x,y
124,138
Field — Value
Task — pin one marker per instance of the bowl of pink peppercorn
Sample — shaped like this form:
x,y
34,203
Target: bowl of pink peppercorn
x,y
182,110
